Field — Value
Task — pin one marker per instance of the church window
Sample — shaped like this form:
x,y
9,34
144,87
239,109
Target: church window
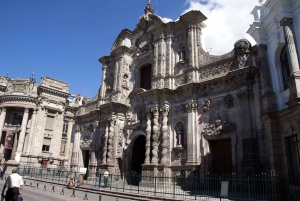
x,y
145,79
284,67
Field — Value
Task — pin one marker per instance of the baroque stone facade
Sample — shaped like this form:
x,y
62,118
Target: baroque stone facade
x,y
166,106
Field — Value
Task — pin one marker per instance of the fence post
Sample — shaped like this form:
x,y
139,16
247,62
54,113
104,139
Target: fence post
x,y
248,184
100,175
139,177
195,187
124,181
154,185
173,187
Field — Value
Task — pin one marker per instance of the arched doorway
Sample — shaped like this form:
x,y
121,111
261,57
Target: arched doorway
x,y
138,154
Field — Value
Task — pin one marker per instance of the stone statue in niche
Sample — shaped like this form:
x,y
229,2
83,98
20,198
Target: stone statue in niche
x,y
125,82
179,136
206,105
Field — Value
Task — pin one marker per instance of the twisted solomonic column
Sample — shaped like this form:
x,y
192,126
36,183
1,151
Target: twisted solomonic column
x,y
105,137
111,138
148,138
165,136
155,136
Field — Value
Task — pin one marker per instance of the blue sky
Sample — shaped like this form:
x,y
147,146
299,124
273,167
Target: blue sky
x,y
65,39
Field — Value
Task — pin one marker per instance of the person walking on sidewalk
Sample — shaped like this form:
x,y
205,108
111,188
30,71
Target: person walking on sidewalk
x,y
14,183
106,174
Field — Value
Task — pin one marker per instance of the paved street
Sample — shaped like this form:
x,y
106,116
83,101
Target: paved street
x,y
33,194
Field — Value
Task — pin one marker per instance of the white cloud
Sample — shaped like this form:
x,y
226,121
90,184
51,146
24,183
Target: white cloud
x,y
227,21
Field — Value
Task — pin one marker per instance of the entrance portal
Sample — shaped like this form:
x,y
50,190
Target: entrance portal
x,y
86,158
221,156
138,154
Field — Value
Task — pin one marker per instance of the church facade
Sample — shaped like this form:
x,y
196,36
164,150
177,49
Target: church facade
x,y
166,107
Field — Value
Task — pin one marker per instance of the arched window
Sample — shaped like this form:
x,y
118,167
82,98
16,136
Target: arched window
x,y
145,79
284,67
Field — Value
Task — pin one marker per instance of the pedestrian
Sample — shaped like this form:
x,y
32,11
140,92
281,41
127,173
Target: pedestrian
x,y
14,183
106,174
97,178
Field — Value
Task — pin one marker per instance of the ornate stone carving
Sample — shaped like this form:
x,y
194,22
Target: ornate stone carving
x,y
242,52
211,72
191,106
105,137
206,105
111,136
165,135
148,137
219,122
155,135
77,98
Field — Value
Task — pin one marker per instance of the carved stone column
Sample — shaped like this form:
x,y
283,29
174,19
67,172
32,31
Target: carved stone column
x,y
148,138
165,139
192,152
70,128
22,133
76,145
287,24
31,132
294,79
111,139
105,137
2,120
155,142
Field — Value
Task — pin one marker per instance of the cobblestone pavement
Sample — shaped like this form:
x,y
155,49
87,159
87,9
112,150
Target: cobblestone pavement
x,y
33,194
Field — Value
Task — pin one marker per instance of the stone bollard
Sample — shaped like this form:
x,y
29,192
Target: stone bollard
x,y
100,197
73,194
52,189
44,189
62,191
30,184
85,196
37,186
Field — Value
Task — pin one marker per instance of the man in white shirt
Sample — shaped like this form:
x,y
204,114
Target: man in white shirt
x,y
14,183
106,174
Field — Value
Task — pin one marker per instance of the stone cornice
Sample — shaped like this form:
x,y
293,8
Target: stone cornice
x,y
17,98
52,91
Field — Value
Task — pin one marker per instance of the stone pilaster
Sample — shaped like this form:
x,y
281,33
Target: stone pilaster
x,y
192,152
111,140
2,120
105,137
148,138
268,96
165,138
23,131
155,136
31,132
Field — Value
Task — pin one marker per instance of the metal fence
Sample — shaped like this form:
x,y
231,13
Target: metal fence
x,y
206,186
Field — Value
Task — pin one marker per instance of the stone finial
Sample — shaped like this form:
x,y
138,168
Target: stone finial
x,y
148,10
